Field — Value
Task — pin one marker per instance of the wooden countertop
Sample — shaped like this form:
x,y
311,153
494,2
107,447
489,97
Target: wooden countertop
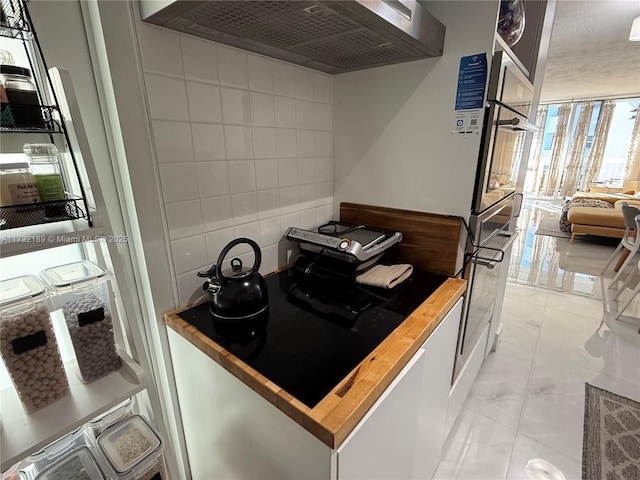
x,y
337,414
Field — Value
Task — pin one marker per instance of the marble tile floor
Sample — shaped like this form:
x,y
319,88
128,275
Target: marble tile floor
x,y
523,418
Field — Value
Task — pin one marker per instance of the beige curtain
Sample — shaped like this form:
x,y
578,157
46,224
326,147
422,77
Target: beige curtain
x,y
533,177
576,153
557,147
632,169
599,143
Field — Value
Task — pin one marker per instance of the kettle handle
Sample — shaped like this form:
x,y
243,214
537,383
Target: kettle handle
x,y
256,250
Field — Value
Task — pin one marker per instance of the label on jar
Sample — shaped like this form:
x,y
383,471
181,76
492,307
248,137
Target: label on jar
x,y
21,193
29,342
92,316
50,187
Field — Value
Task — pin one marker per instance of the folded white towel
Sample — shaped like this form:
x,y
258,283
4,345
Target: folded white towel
x,y
385,276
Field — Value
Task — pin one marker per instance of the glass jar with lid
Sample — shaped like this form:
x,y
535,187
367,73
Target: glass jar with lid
x,y
49,177
20,96
17,189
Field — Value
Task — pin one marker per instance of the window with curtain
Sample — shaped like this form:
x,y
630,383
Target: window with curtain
x,y
584,145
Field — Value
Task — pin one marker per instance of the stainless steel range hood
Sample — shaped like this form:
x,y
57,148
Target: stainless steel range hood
x,y
333,36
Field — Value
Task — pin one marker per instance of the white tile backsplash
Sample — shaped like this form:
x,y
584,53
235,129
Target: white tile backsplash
x,y
208,142
184,219
173,141
204,102
243,143
233,67
236,106
248,230
178,182
200,59
242,176
216,213
167,98
239,141
213,179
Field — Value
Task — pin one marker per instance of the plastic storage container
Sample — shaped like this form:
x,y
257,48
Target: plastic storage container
x,y
28,345
133,450
80,464
121,411
38,461
48,175
18,195
82,292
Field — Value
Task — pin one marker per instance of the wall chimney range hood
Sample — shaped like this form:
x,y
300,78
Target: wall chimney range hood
x,y
332,36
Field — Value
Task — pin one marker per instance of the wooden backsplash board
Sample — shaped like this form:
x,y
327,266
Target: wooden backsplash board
x,y
429,241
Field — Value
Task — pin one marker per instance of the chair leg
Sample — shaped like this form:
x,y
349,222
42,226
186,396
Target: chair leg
x,y
613,255
622,268
628,302
624,285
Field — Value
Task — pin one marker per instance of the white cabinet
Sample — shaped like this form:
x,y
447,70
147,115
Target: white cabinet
x,y
382,445
436,380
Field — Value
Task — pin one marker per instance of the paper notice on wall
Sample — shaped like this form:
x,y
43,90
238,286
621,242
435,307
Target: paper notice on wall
x,y
472,79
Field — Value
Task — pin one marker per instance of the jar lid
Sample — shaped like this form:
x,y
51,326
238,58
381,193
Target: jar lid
x,y
14,70
80,464
20,288
14,165
72,273
128,442
40,149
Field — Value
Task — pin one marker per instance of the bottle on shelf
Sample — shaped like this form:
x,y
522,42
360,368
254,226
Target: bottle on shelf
x,y
49,178
19,100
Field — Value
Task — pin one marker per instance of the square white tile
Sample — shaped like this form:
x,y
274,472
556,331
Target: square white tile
x,y
239,142
236,106
307,219
307,196
304,83
216,213
322,87
270,231
287,172
324,213
159,50
249,230
286,139
323,144
260,73
324,193
233,67
213,179
263,110
172,141
288,200
204,103
305,143
284,80
184,219
264,142
305,114
306,171
200,59
285,109
189,253
322,116
268,203
289,220
269,259
216,241
266,173
178,181
208,142
190,287
242,176
167,98
244,207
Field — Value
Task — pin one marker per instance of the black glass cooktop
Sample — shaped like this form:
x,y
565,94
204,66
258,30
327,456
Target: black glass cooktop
x,y
315,333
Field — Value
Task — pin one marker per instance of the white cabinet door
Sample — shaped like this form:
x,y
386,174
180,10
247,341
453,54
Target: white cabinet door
x,y
383,443
440,351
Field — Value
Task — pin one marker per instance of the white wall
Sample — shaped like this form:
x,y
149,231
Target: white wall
x,y
243,143
393,144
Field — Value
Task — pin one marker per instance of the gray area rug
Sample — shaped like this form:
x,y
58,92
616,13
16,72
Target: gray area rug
x,y
550,226
611,442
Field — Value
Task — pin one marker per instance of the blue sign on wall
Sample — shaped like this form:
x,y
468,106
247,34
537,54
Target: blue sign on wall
x,y
472,78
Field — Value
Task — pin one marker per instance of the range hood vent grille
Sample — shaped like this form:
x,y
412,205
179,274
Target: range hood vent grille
x,y
332,36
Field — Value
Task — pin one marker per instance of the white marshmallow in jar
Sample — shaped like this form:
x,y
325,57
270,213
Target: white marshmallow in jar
x,y
81,290
28,345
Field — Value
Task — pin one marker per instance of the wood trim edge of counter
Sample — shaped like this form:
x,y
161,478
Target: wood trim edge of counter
x,y
339,412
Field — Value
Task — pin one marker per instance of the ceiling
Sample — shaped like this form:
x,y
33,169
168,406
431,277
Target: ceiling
x,y
590,55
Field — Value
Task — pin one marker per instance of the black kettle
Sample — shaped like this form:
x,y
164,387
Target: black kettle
x,y
238,293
